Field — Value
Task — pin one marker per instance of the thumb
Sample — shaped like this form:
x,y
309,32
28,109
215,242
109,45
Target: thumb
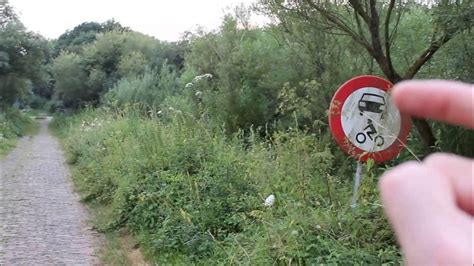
x,y
422,209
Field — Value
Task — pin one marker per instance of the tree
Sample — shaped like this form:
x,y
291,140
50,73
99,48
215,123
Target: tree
x,y
6,13
84,33
70,76
373,25
248,68
86,75
119,54
22,54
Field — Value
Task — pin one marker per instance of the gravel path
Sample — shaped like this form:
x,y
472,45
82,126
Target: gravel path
x,y
41,219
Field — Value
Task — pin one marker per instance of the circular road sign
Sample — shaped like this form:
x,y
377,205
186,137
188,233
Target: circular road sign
x,y
365,122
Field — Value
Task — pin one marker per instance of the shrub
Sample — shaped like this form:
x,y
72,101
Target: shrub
x,y
150,88
193,194
13,124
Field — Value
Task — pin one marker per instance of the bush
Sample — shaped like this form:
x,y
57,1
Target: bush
x,y
13,124
38,102
150,88
193,194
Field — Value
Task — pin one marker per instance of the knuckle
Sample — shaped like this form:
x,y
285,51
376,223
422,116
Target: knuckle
x,y
396,179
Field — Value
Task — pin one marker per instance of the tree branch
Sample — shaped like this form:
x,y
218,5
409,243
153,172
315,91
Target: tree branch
x,y
378,53
360,10
359,26
395,28
426,55
387,34
339,24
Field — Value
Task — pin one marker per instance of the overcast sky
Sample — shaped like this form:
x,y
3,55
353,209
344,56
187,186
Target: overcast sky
x,y
164,19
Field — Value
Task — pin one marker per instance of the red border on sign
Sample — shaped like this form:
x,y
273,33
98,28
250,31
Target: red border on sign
x,y
337,131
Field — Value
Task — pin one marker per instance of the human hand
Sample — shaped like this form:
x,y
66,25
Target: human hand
x,y
430,205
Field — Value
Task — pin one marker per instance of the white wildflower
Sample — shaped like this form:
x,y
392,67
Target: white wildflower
x,y
198,94
201,77
189,85
269,201
174,110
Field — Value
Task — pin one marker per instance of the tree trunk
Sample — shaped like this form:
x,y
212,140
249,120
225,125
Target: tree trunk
x,y
426,134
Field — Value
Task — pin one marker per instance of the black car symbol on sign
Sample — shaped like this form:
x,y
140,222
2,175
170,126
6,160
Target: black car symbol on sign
x,y
370,102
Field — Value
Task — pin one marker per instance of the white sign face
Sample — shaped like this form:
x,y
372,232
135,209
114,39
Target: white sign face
x,y
370,119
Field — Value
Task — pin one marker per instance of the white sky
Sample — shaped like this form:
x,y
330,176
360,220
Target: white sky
x,y
163,19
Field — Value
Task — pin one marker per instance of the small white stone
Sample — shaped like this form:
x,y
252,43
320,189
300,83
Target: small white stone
x,y
270,200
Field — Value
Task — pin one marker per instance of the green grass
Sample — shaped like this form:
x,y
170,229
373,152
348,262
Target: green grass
x,y
14,124
112,251
191,194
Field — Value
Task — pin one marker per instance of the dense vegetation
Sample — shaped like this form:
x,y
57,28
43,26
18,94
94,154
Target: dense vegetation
x,y
13,124
192,193
22,71
182,142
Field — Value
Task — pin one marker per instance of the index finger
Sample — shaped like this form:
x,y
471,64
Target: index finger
x,y
448,101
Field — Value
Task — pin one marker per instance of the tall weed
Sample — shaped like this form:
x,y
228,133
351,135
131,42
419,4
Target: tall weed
x,y
13,124
192,193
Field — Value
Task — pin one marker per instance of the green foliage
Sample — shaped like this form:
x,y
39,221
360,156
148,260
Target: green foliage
x,y
85,33
191,193
185,149
455,139
132,64
303,102
21,57
6,13
112,48
455,61
149,88
13,124
108,61
248,69
70,76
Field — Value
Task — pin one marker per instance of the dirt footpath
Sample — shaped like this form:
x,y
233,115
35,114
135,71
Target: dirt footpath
x,y
41,219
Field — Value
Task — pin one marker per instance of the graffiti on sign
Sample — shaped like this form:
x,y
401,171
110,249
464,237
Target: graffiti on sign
x,y
370,120
364,120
